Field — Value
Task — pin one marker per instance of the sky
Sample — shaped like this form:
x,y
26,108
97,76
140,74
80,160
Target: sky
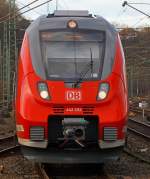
x,y
112,10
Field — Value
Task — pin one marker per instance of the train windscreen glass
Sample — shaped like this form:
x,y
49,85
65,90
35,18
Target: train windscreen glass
x,y
68,55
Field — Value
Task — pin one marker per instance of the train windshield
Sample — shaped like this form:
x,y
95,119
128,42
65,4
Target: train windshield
x,y
67,54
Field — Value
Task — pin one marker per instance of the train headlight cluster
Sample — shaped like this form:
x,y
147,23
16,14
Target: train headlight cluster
x,y
103,91
44,94
102,95
72,24
43,91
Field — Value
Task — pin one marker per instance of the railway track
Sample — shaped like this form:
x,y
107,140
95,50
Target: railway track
x,y
137,156
142,129
139,128
8,143
99,175
41,171
138,110
41,168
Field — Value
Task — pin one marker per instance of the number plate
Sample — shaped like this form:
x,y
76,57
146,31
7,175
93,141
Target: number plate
x,y
72,109
73,95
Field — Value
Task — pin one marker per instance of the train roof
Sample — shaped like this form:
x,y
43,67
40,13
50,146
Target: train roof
x,y
58,19
73,13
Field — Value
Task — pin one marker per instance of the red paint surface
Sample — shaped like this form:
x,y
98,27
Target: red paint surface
x,y
32,110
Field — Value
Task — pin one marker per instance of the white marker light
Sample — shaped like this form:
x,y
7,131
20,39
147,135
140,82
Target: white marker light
x,y
102,94
19,128
44,94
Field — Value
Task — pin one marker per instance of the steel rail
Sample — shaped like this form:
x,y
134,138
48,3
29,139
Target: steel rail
x,y
139,133
138,110
137,156
42,173
134,127
4,140
7,137
139,128
8,149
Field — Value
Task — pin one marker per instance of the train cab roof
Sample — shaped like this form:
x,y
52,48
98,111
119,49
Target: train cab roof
x,y
84,18
63,13
58,21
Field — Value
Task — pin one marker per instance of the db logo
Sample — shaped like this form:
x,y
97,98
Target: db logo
x,y
73,95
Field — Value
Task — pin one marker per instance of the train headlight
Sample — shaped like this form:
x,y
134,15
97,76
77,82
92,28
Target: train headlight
x,y
102,95
72,24
103,91
43,91
44,94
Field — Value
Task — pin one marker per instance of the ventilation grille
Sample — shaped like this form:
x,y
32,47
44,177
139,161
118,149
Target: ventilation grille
x,y
88,110
58,110
110,133
37,133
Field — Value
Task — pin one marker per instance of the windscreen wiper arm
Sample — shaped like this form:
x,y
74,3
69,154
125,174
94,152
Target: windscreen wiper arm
x,y
83,73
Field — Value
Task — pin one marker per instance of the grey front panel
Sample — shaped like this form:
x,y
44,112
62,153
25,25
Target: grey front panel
x,y
43,23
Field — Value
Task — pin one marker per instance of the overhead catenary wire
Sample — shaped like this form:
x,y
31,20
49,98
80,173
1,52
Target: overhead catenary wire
x,y
7,16
61,4
65,4
121,12
125,3
140,3
27,7
119,15
139,21
25,11
34,7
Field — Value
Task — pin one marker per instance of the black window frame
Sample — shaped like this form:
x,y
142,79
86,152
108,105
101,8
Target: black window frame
x,y
69,80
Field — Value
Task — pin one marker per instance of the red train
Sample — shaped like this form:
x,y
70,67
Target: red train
x,y
71,96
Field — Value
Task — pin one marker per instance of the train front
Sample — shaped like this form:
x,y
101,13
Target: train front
x,y
71,97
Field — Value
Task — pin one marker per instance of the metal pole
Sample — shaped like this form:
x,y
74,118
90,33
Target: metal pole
x,y
131,81
12,49
137,87
143,113
5,66
56,5
1,75
48,11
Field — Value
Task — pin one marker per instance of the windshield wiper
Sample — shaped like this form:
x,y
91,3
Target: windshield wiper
x,y
83,73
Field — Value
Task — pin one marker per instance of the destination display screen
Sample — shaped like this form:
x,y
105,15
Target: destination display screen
x,y
72,36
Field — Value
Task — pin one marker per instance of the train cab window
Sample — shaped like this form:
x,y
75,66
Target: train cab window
x,y
68,55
